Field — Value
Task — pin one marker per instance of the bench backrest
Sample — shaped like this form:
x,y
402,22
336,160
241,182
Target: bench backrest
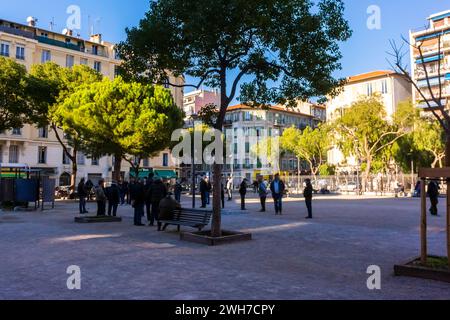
x,y
192,216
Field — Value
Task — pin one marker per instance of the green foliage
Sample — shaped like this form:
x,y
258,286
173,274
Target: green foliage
x,y
293,42
327,170
365,132
14,93
122,118
429,137
310,145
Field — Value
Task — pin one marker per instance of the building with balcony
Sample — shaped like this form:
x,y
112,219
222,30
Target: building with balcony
x,y
38,148
432,61
194,101
391,87
248,126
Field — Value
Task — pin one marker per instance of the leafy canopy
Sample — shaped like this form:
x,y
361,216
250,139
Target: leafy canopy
x,y
123,118
291,42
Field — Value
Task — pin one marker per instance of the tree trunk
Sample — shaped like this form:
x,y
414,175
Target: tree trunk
x,y
447,164
216,230
117,167
73,176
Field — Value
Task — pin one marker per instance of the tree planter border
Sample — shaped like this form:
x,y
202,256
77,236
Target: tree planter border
x,y
412,269
98,219
204,237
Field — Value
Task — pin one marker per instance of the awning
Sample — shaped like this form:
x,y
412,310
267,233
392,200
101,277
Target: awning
x,y
447,77
433,82
166,174
142,174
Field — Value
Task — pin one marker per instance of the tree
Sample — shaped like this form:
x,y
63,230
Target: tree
x,y
13,94
52,85
364,131
430,137
127,120
292,43
310,145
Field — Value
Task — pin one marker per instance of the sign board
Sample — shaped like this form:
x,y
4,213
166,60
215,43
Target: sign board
x,y
48,190
27,190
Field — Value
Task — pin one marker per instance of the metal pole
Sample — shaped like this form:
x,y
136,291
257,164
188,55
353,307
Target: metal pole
x,y
193,175
423,224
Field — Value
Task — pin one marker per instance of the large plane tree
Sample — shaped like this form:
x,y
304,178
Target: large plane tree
x,y
282,51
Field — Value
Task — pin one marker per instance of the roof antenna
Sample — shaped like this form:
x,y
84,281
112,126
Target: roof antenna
x,y
52,24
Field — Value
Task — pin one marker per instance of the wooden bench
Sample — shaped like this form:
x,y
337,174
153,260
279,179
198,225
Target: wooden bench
x,y
189,218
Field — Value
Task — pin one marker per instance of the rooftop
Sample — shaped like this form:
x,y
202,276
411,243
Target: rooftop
x,y
371,75
272,108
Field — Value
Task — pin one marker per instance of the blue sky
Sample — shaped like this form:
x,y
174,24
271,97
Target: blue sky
x,y
365,51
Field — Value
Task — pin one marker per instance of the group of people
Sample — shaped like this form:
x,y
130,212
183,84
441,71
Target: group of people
x,y
277,188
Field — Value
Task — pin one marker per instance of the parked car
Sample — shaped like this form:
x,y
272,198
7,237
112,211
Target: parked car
x,y
349,187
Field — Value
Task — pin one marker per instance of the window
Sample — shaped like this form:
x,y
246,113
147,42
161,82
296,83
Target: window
x,y
1,153
43,132
369,89
146,163
4,49
80,159
95,50
46,56
98,66
384,87
247,147
20,52
42,155
165,160
116,71
17,132
94,161
13,154
84,61
69,61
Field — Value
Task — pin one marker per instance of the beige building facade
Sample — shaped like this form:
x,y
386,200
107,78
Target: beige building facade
x,y
38,148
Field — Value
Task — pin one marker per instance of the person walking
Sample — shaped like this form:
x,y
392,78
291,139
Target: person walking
x,y
222,195
433,194
277,187
208,191
82,195
121,193
113,195
158,191
230,188
262,191
308,194
243,193
137,193
100,198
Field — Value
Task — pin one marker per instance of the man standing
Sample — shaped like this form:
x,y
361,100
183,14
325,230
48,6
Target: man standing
x,y
178,190
113,196
138,202
158,191
82,194
433,194
208,191
277,187
230,188
308,194
101,198
243,193
148,200
203,191
262,191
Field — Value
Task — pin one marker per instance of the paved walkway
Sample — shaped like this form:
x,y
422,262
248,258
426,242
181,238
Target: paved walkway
x,y
289,258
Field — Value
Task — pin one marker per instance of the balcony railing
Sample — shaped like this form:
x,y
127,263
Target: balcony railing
x,y
60,44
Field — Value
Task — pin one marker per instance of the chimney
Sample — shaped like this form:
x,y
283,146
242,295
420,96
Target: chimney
x,y
67,32
97,38
31,21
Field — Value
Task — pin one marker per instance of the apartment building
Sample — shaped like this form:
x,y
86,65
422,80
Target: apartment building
x,y
248,126
38,148
194,101
392,88
433,59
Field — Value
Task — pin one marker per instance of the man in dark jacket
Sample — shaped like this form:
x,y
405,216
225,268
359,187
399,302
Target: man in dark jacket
x,y
167,207
138,202
203,192
158,191
433,194
308,194
82,194
101,198
148,200
277,187
113,195
243,193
